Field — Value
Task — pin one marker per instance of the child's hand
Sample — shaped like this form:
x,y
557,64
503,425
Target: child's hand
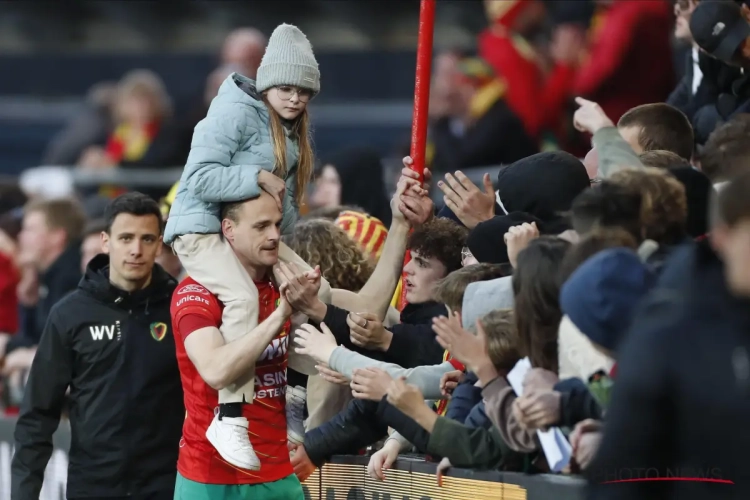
x,y
469,349
442,467
272,185
312,342
382,459
449,381
331,376
406,397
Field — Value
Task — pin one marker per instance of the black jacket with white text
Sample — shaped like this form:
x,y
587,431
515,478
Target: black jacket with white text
x,y
116,352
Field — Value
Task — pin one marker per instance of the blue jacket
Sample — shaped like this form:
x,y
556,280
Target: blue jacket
x,y
229,148
466,404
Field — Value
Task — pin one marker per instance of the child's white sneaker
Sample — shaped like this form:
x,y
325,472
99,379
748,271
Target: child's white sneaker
x,y
230,438
295,414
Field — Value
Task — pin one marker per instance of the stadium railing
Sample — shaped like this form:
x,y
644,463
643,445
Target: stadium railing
x,y
345,477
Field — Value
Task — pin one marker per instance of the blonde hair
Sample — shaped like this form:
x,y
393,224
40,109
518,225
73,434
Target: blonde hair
x,y
502,338
301,132
60,213
322,243
147,83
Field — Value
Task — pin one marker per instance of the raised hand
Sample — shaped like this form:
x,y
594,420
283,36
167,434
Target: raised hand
x,y
590,117
315,343
299,288
470,204
469,349
517,238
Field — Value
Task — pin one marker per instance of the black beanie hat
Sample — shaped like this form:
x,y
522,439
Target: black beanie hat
x,y
486,240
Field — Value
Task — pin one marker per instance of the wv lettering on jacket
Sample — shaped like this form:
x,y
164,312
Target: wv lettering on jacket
x,y
99,332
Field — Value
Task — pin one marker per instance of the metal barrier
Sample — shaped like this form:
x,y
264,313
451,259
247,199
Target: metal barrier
x,y
346,477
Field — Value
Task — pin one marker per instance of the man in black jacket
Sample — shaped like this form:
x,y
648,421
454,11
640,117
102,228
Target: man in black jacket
x,y
111,343
682,397
705,78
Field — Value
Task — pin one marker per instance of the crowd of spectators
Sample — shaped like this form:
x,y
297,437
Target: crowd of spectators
x,y
622,277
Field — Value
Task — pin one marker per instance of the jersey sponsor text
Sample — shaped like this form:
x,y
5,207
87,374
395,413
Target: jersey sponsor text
x,y
192,298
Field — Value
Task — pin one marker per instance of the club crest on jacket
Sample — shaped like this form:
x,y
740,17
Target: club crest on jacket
x,y
158,331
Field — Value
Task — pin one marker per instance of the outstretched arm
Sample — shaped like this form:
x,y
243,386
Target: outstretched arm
x,y
220,363
410,206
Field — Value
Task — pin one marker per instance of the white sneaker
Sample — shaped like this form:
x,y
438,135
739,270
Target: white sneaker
x,y
295,414
229,437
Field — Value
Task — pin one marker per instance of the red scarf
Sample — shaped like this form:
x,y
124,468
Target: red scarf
x,y
442,405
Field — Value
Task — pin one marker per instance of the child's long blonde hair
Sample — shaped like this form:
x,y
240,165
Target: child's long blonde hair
x,y
301,132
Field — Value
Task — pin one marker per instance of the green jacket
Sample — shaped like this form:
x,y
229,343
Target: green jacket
x,y
475,448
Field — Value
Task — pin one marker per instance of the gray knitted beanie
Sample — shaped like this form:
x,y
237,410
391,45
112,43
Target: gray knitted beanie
x,y
289,60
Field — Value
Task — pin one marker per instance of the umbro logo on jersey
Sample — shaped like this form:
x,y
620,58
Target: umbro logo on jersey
x,y
192,289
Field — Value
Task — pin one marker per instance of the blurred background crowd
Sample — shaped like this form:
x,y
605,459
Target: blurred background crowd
x,y
99,98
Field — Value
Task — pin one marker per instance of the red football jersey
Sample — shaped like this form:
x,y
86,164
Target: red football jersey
x,y
194,307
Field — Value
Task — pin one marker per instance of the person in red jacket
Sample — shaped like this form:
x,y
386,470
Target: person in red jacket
x,y
10,277
536,95
629,61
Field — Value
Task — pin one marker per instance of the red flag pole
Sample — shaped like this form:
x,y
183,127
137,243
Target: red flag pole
x,y
421,99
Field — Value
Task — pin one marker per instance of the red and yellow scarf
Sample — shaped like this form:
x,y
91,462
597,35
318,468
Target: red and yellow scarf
x,y
128,144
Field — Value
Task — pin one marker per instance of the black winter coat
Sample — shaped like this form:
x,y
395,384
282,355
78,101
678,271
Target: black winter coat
x,y
681,403
115,350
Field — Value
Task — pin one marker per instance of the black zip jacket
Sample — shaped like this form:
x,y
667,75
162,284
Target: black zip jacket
x,y
115,350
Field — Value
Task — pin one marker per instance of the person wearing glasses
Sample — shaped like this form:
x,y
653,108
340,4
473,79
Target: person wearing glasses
x,y
255,138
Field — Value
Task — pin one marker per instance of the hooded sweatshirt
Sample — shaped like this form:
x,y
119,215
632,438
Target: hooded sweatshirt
x,y
116,352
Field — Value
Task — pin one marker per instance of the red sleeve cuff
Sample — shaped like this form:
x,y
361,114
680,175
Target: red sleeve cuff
x,y
190,322
457,364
